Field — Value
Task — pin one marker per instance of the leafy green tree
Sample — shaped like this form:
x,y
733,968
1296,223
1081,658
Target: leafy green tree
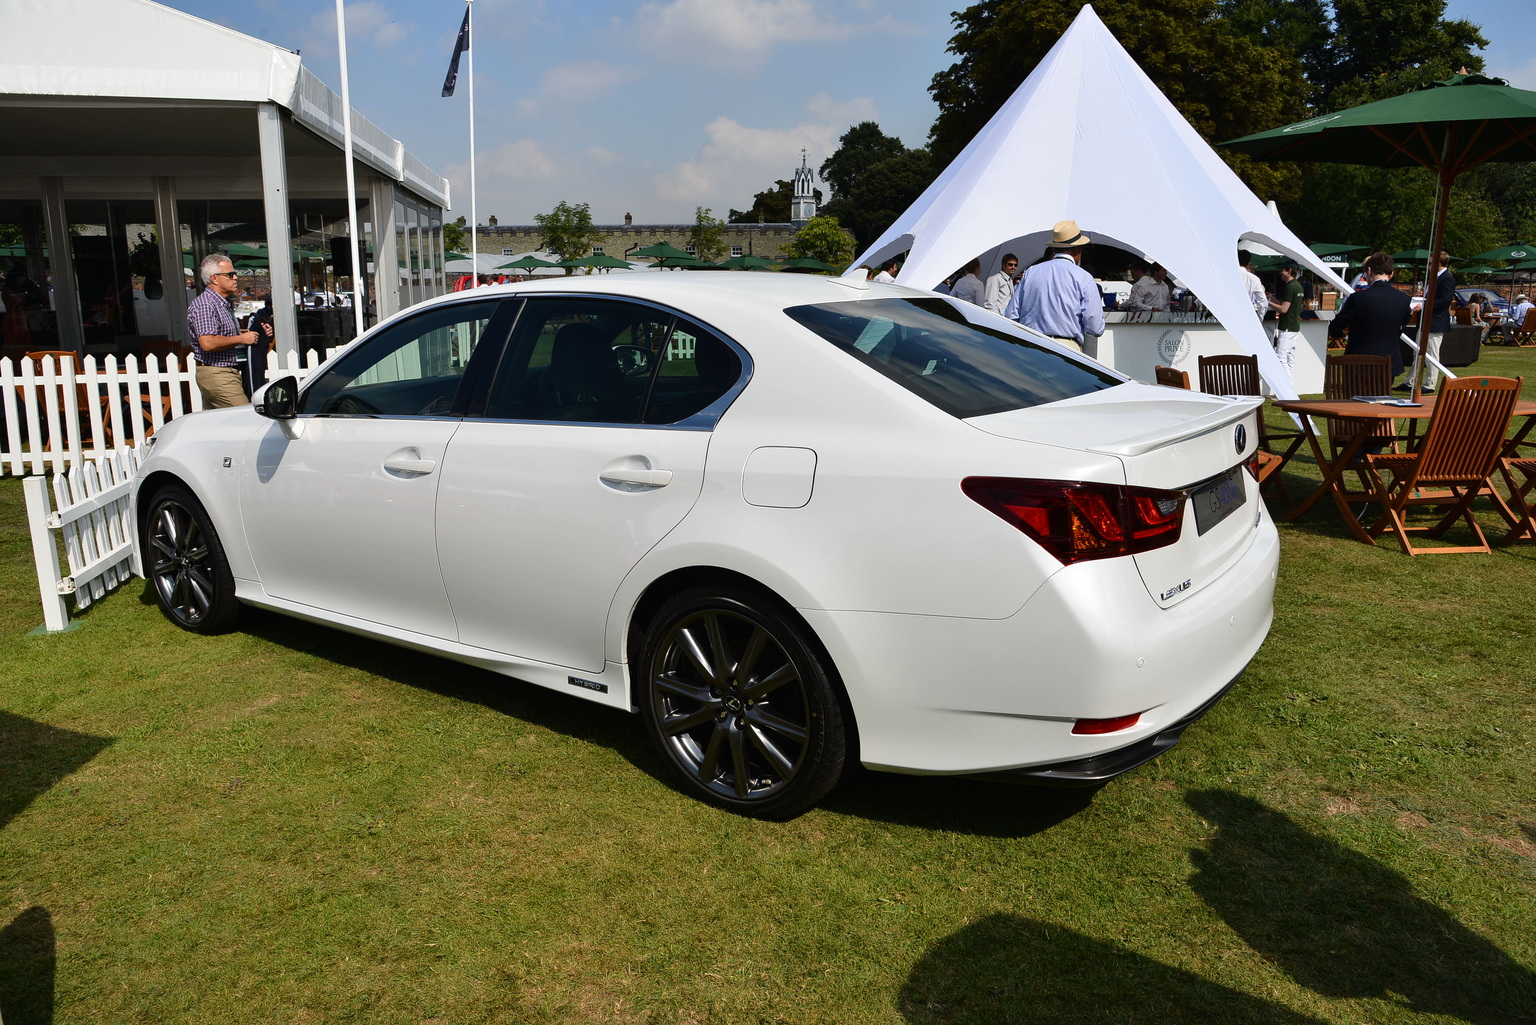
x,y
567,231
882,192
455,237
708,235
859,149
1224,83
821,238
772,206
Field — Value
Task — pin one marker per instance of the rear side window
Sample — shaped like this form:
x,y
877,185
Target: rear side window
x,y
930,349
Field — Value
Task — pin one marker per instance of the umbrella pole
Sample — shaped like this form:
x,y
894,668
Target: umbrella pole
x,y
1432,273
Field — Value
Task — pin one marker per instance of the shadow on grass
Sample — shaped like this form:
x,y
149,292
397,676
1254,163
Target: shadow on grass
x,y
1344,925
508,696
27,958
1010,969
956,804
959,805
34,756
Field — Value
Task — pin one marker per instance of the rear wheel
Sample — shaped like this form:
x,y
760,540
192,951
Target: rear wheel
x,y
738,699
186,565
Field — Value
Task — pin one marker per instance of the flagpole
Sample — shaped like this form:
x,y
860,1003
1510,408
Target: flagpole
x,y
353,226
474,218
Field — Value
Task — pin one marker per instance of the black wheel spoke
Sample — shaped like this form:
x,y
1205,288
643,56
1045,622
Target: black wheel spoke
x,y
681,723
739,763
718,648
772,682
756,645
781,763
709,764
765,718
696,654
671,684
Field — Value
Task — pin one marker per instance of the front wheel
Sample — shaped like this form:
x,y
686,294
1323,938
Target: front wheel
x,y
185,563
738,699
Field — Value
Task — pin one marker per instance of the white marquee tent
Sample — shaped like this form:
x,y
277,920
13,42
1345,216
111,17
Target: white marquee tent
x,y
1089,137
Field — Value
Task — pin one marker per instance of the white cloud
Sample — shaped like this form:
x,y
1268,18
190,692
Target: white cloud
x,y
739,161
822,107
367,20
722,32
520,161
598,155
583,81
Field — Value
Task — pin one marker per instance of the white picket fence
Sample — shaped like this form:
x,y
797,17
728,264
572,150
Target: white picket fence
x,y
90,509
58,412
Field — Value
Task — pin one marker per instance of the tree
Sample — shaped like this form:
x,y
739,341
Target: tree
x,y
882,193
821,238
772,206
567,231
455,237
860,148
1221,81
707,236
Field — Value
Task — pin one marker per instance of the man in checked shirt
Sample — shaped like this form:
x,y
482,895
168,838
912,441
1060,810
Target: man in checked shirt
x,y
211,325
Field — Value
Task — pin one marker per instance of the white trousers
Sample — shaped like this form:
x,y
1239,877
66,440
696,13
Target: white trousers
x,y
1285,349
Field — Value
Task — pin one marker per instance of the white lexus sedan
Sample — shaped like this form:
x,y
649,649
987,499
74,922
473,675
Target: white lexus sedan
x,y
793,521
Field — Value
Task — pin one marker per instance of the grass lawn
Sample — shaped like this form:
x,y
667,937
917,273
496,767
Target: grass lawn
x,y
291,824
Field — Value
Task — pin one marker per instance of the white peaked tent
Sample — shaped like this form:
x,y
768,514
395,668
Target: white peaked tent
x,y
1087,136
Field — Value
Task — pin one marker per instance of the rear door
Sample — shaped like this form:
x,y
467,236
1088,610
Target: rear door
x,y
590,449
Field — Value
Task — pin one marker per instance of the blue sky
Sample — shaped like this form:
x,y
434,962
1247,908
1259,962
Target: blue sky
x,y
654,108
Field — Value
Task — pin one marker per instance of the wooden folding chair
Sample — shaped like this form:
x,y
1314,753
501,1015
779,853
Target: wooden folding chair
x,y
1344,377
1171,377
1524,333
1239,375
1463,442
1520,496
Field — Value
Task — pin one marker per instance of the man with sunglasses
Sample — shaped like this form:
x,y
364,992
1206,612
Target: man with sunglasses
x,y
214,333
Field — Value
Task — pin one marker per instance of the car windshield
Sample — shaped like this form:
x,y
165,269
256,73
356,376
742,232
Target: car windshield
x,y
929,348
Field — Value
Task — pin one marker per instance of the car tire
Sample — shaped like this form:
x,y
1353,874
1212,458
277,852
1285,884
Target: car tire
x,y
741,703
185,563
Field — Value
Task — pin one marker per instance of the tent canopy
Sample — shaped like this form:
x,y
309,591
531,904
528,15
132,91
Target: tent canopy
x,y
1060,148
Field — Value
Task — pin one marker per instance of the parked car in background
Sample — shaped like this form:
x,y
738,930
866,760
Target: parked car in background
x,y
791,521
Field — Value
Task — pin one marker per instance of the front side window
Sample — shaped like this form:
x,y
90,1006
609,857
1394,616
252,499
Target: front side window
x,y
606,361
929,348
411,368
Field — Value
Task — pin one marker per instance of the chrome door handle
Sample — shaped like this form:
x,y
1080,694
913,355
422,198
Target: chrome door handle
x,y
416,467
637,477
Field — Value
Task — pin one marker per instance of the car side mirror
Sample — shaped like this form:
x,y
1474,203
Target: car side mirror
x,y
279,400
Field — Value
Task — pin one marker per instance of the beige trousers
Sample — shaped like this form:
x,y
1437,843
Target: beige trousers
x,y
220,387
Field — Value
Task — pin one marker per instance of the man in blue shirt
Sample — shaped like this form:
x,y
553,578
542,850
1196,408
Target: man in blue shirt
x,y
1057,297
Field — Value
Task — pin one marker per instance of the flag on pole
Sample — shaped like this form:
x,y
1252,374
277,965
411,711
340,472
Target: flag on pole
x,y
458,49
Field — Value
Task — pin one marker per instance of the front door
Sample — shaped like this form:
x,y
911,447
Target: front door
x,y
339,504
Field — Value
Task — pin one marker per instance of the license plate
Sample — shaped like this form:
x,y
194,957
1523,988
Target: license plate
x,y
1215,501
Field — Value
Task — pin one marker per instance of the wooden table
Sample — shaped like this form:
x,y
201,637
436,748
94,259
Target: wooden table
x,y
1370,412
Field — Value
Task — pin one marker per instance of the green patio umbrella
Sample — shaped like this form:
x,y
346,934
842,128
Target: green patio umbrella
x,y
1478,269
1448,126
529,262
807,264
606,262
1327,249
662,252
1515,251
747,262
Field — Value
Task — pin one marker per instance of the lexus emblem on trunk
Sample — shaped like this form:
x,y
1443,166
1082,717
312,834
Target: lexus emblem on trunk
x,y
1240,437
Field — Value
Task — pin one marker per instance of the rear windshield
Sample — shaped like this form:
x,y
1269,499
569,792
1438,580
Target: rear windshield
x,y
930,349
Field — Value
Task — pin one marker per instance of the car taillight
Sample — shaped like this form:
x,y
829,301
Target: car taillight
x,y
1075,521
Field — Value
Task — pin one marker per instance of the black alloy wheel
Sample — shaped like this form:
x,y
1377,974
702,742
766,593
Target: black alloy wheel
x,y
186,565
737,697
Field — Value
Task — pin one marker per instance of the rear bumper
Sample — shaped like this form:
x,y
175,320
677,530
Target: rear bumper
x,y
1101,768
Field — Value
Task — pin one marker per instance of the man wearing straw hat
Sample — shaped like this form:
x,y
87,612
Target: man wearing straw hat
x,y
1056,297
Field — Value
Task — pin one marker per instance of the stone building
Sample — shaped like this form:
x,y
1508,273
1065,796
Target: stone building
x,y
619,240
